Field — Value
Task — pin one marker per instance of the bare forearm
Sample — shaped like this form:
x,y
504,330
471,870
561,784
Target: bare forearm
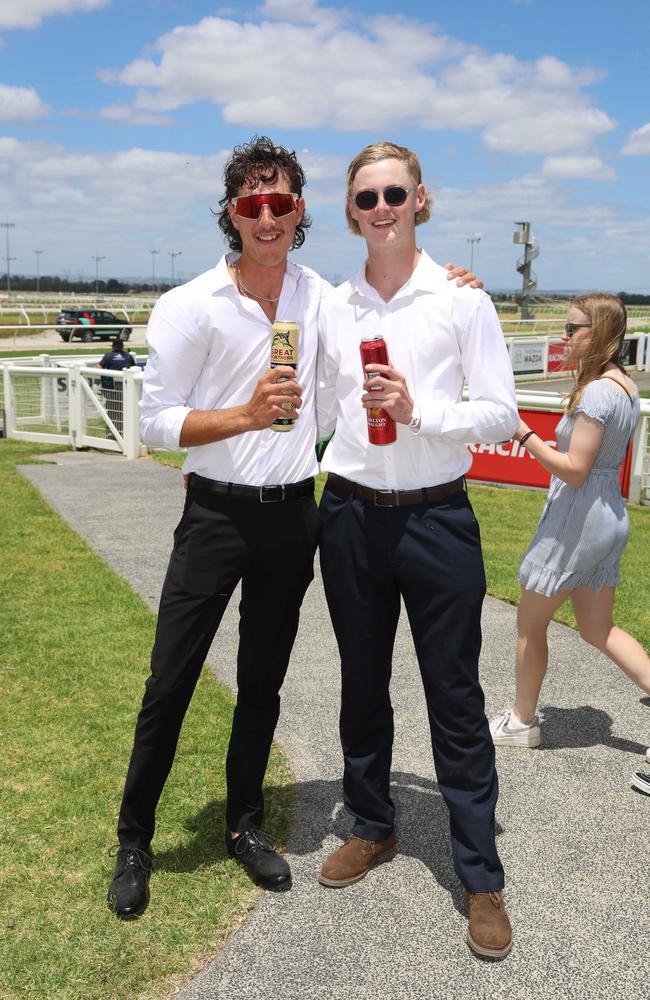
x,y
574,465
557,463
208,426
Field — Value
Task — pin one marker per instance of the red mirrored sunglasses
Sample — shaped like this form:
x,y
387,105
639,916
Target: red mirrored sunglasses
x,y
249,206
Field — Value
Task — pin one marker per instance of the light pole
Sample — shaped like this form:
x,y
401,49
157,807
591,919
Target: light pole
x,y
7,226
476,238
38,270
97,260
153,269
173,254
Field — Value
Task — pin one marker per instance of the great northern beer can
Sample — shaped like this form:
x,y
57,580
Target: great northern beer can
x,y
381,427
284,351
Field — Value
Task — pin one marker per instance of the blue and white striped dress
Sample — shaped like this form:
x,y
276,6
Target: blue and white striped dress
x,y
582,532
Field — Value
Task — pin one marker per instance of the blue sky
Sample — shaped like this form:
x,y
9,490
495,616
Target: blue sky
x,y
116,119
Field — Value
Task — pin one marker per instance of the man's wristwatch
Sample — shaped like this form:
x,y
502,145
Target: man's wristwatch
x,y
414,422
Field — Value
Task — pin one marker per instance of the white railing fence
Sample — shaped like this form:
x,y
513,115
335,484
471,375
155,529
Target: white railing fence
x,y
27,310
83,406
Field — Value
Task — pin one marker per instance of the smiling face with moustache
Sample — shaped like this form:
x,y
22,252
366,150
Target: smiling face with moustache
x,y
266,240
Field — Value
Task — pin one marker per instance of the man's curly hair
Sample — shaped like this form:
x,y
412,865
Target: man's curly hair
x,y
252,163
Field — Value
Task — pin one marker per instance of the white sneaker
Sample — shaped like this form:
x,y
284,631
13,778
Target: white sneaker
x,y
647,755
642,782
517,735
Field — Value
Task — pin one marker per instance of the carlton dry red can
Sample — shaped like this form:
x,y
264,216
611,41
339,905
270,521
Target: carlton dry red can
x,y
381,427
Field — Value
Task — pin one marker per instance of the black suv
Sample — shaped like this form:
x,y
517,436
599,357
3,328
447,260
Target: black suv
x,y
90,324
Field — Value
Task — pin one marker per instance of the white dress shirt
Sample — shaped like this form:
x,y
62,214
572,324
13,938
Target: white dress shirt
x,y
208,348
438,335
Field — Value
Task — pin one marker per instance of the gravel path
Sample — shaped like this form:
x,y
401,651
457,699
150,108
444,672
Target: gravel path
x,y
573,836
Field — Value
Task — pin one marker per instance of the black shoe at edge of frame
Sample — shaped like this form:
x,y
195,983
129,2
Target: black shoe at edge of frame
x,y
128,893
264,865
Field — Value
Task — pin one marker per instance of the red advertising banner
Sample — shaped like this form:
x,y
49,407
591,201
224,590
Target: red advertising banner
x,y
556,352
510,464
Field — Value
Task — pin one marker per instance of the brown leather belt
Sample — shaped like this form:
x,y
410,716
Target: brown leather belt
x,y
263,494
393,498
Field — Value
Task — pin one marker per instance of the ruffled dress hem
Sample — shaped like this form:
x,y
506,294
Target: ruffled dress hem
x,y
547,581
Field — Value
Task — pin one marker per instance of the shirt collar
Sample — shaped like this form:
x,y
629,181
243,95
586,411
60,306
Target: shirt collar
x,y
427,277
223,281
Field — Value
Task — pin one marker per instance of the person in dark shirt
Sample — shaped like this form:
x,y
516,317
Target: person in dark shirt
x,y
115,360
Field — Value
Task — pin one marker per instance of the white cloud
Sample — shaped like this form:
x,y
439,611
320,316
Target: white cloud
x,y
131,116
307,12
20,103
30,13
548,131
577,168
638,142
394,73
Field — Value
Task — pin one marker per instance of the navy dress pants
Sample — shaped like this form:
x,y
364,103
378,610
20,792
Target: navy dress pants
x,y
429,555
219,542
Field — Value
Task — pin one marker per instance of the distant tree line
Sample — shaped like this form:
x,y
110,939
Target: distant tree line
x,y
52,283
113,286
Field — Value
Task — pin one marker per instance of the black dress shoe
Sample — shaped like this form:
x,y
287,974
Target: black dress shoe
x,y
128,893
264,865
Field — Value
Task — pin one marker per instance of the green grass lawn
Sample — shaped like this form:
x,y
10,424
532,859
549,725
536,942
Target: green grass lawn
x,y
76,644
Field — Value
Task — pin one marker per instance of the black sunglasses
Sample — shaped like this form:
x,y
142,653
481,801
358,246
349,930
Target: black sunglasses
x,y
570,328
393,196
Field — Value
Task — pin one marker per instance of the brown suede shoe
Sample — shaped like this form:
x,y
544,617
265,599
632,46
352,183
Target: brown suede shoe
x,y
489,933
354,859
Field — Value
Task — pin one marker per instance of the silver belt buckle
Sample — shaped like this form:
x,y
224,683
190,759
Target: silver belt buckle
x,y
387,493
274,499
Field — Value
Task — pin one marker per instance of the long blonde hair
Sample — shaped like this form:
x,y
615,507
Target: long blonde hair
x,y
608,320
387,151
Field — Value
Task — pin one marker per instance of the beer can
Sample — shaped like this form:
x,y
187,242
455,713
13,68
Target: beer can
x,y
381,427
284,351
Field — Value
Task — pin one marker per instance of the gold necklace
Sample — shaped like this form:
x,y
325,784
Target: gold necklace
x,y
249,291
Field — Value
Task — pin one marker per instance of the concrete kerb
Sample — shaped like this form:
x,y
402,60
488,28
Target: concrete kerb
x,y
572,834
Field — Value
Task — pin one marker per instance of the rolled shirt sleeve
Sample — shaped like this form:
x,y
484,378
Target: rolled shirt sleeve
x,y
176,358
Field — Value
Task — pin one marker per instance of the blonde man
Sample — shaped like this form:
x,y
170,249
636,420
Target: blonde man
x,y
396,522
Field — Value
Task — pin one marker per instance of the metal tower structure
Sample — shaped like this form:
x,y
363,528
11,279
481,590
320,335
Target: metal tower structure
x,y
524,266
7,226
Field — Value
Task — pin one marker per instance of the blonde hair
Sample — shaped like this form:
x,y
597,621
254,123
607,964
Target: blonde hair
x,y
387,151
608,319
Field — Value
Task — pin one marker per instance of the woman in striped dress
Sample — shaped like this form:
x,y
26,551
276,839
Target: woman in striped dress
x,y
577,547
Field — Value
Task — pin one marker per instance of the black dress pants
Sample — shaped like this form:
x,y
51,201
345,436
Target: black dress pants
x,y
430,555
218,542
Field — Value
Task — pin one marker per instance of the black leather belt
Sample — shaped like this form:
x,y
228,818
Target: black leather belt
x,y
393,498
263,494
